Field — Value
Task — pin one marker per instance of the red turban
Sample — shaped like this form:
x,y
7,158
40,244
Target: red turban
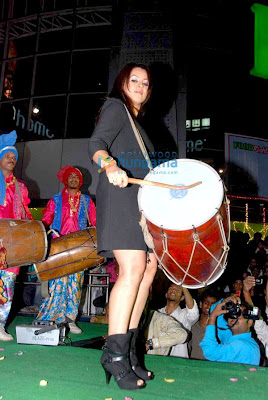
x,y
66,171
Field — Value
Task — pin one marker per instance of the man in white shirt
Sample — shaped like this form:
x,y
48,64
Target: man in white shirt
x,y
260,326
163,334
187,316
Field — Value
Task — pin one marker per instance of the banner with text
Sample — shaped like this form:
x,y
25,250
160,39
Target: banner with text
x,y
247,158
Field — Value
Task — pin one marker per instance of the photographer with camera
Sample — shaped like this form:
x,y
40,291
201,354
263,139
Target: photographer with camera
x,y
231,322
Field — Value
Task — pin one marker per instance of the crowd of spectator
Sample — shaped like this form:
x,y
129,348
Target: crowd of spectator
x,y
214,333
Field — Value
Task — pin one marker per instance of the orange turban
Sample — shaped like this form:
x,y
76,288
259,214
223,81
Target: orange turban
x,y
66,171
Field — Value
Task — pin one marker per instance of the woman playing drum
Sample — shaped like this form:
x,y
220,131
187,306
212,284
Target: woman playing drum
x,y
114,148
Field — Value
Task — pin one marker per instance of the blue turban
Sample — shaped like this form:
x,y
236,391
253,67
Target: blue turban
x,y
7,142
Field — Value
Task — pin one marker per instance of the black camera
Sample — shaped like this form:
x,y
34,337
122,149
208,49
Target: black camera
x,y
252,313
236,309
258,281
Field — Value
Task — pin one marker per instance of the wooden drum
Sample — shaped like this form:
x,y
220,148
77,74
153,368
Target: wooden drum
x,y
25,241
190,228
69,254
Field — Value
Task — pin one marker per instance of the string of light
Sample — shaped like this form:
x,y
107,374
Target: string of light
x,y
248,198
246,215
247,227
263,220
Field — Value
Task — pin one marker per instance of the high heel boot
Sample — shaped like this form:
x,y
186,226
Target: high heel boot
x,y
134,362
115,361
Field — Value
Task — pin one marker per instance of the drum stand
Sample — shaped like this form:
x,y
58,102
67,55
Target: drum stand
x,y
90,285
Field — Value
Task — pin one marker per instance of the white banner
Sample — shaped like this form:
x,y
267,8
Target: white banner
x,y
247,156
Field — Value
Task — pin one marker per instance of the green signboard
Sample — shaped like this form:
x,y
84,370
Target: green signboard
x,y
260,41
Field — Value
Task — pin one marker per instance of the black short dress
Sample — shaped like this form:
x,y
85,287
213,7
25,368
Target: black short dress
x,y
117,208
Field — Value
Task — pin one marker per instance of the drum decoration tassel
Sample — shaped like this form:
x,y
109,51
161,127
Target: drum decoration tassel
x,y
190,228
164,240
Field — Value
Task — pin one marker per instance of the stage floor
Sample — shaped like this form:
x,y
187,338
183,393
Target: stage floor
x,y
75,373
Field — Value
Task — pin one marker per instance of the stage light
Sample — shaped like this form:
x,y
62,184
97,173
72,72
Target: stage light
x,y
220,171
36,109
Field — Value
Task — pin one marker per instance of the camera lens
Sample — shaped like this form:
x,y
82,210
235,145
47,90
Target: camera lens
x,y
233,309
229,305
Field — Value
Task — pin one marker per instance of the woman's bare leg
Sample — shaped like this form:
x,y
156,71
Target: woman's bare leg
x,y
143,292
132,264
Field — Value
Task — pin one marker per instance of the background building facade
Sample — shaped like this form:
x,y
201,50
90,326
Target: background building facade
x,y
61,57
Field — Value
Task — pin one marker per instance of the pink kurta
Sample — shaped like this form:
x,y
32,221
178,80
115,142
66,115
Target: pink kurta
x,y
13,207
68,223
64,293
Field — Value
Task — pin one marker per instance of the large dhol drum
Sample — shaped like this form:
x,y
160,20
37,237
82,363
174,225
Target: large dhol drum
x,y
190,228
25,241
70,253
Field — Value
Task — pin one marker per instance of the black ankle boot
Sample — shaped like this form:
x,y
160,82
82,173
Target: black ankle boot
x,y
115,361
135,365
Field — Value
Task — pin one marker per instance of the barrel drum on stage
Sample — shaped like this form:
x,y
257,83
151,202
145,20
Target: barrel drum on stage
x,y
190,228
25,241
70,253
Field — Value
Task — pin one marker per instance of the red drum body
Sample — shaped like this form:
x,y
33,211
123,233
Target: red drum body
x,y
25,241
70,253
190,228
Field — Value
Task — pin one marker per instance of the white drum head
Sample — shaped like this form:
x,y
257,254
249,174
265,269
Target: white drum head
x,y
180,210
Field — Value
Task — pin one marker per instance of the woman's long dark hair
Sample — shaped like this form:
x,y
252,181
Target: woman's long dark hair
x,y
122,78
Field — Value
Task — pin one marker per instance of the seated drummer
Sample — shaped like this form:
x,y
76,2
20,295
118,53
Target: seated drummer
x,y
66,213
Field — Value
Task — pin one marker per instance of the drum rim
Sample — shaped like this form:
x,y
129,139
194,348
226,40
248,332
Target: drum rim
x,y
188,160
45,237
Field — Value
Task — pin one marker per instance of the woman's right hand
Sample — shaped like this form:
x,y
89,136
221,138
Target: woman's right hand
x,y
117,176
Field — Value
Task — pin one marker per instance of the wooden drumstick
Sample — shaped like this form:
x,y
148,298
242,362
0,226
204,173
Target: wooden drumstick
x,y
164,185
